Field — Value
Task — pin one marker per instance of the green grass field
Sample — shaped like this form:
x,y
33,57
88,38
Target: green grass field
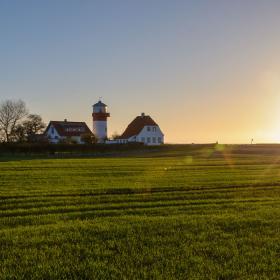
x,y
185,213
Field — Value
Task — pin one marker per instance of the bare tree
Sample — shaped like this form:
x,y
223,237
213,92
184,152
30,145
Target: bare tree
x,y
33,124
11,113
18,134
28,129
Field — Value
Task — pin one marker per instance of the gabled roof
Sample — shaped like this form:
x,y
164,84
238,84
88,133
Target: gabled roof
x,y
65,128
135,127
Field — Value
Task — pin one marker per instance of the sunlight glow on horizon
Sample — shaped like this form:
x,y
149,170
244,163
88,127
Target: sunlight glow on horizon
x,y
204,71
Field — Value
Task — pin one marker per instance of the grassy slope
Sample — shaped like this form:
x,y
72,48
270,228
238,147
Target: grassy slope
x,y
183,213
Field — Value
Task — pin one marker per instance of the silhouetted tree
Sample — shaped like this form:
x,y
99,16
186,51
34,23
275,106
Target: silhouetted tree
x,y
11,113
18,134
27,130
115,135
89,138
33,124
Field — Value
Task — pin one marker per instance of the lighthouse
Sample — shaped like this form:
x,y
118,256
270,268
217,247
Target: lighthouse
x,y
99,117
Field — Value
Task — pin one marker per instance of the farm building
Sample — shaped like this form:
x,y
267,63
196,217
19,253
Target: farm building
x,y
58,131
142,129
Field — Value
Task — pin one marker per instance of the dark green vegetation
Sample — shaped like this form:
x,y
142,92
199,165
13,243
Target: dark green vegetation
x,y
182,213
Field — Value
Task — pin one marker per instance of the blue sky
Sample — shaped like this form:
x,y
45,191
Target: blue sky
x,y
205,70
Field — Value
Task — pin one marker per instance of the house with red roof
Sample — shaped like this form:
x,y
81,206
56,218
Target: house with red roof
x,y
142,129
58,131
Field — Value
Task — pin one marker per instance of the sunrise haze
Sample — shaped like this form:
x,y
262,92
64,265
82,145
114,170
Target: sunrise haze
x,y
205,71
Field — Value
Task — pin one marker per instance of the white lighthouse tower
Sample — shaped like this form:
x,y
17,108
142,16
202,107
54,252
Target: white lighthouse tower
x,y
99,117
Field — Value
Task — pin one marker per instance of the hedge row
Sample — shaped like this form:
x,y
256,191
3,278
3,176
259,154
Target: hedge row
x,y
42,148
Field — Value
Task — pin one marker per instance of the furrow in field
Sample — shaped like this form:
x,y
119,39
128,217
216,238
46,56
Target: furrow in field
x,y
199,210
132,191
135,205
66,200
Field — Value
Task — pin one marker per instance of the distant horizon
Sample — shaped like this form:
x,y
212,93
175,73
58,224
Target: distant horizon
x,y
203,70
89,124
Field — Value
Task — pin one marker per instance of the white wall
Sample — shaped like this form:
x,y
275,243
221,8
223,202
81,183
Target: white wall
x,y
153,136
100,129
53,137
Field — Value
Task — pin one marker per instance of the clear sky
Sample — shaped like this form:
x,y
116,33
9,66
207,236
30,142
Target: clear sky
x,y
204,70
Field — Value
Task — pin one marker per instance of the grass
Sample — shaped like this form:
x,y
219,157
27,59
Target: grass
x,y
179,213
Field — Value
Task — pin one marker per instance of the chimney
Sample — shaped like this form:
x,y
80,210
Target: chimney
x,y
65,120
143,115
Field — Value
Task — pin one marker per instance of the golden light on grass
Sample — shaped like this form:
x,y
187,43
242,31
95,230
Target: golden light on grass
x,y
188,160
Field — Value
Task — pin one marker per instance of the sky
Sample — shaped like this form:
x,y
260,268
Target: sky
x,y
204,70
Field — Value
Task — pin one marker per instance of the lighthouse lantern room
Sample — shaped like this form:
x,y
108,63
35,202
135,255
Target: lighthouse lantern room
x,y
99,117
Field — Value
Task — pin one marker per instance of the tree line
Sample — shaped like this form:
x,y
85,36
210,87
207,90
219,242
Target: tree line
x,y
16,124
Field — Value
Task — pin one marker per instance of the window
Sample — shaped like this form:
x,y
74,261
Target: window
x,y
148,128
154,139
148,140
143,139
74,129
154,128
52,130
159,140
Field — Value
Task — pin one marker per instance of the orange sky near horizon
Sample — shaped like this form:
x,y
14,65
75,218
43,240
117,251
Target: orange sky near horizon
x,y
206,71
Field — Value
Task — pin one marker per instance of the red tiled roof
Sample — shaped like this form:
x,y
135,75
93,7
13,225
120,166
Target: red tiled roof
x,y
65,128
135,127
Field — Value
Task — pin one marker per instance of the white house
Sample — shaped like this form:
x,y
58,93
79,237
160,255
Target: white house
x,y
58,131
142,129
